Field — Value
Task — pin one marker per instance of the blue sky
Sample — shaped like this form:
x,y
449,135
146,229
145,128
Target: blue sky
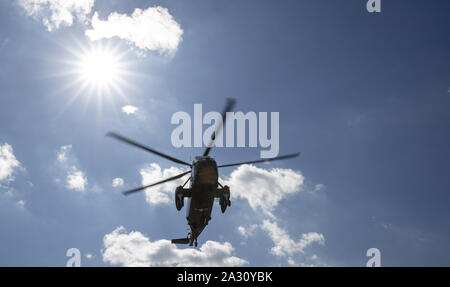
x,y
363,96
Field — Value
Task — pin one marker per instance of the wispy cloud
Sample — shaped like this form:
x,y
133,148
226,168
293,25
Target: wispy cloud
x,y
75,178
247,231
160,194
55,13
62,153
117,182
135,249
284,245
8,163
319,187
263,189
152,29
129,109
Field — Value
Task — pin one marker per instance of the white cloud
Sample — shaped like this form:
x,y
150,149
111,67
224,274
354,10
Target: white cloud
x,y
89,256
76,179
247,231
62,153
21,203
8,163
55,13
284,245
129,109
263,188
164,193
135,249
117,182
152,29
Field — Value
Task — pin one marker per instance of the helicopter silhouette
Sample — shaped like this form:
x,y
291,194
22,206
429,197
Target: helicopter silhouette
x,y
204,182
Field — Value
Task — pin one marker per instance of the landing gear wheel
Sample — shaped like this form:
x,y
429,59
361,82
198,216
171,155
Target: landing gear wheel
x,y
179,199
225,199
223,205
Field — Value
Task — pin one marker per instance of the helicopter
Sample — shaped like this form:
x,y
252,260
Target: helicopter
x,y
204,182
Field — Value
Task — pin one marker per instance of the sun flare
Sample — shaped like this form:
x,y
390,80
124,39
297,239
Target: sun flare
x,y
99,68
98,71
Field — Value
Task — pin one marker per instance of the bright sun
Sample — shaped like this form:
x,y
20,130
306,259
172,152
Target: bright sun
x,y
98,71
100,68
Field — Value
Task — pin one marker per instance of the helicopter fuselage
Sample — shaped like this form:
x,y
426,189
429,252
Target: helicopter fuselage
x,y
203,190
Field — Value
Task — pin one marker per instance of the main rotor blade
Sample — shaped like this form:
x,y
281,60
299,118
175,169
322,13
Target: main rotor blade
x,y
262,160
228,107
156,183
131,142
